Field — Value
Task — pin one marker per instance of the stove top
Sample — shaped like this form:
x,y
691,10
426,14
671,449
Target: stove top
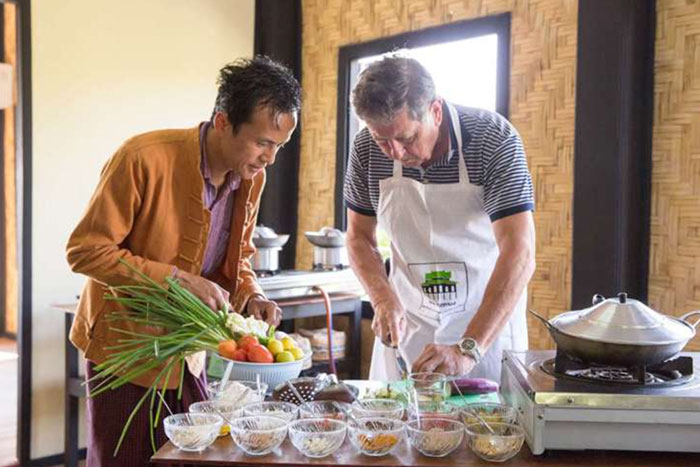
x,y
535,373
296,283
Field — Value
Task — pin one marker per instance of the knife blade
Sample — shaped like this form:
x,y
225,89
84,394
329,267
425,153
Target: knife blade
x,y
400,362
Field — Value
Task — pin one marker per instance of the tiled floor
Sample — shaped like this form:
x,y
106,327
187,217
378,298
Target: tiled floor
x,y
8,401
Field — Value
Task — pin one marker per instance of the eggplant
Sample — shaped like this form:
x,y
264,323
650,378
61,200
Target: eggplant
x,y
473,386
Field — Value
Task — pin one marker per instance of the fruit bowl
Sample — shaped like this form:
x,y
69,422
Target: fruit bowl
x,y
270,373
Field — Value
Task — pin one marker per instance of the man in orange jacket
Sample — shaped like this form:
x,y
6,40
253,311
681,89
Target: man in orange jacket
x,y
181,204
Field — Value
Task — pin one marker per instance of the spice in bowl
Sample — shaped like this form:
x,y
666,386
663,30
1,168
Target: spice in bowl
x,y
317,437
375,436
499,446
435,437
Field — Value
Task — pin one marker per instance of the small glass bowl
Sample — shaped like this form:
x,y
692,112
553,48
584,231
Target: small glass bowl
x,y
429,387
238,392
192,431
430,409
375,436
489,412
317,437
498,447
324,409
227,410
258,435
284,410
373,408
435,437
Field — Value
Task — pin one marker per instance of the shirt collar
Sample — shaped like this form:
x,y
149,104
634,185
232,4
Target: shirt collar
x,y
232,181
452,147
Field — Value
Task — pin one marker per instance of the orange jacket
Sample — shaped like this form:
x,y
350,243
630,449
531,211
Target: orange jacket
x,y
148,210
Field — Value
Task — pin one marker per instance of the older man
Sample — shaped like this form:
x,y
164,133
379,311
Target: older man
x,y
451,188
179,203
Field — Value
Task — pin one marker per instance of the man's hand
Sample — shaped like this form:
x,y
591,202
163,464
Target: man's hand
x,y
212,294
389,323
445,359
264,309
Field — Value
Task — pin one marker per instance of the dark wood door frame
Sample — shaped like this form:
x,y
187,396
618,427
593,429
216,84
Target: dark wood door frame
x,y
612,167
23,145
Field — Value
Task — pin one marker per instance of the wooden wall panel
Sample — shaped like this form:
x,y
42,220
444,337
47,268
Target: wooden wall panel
x,y
543,69
674,269
10,173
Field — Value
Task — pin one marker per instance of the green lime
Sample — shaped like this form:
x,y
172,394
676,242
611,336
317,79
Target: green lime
x,y
283,357
275,346
297,352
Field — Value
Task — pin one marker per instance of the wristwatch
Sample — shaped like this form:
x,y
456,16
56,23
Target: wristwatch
x,y
470,347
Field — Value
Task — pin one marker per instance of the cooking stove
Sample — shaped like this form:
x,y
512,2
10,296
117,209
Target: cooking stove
x,y
564,404
298,283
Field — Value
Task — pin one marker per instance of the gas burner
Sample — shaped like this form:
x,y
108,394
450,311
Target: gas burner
x,y
321,267
266,273
672,372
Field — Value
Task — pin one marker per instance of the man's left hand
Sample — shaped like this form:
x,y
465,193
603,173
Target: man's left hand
x,y
445,359
264,309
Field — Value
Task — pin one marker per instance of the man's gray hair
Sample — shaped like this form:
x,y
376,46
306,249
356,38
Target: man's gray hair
x,y
387,85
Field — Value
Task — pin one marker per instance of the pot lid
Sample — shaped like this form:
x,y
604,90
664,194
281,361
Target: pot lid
x,y
327,237
622,320
265,237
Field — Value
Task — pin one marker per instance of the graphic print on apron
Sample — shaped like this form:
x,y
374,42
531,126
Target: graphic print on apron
x,y
445,286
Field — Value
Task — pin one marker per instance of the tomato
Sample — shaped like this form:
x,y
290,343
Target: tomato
x,y
240,355
246,342
227,348
259,354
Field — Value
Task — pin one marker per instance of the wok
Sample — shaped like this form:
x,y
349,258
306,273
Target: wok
x,y
615,353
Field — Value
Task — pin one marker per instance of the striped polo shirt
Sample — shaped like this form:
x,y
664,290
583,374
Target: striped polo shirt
x,y
493,154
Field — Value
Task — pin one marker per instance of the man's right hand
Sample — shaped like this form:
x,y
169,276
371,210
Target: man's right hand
x,y
213,295
389,323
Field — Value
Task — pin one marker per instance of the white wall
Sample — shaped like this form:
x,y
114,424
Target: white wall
x,y
104,70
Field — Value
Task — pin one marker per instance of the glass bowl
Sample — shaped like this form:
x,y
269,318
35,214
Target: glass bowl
x,y
324,409
284,410
429,387
435,437
498,447
373,408
489,412
258,435
192,431
375,436
238,392
227,410
430,409
317,437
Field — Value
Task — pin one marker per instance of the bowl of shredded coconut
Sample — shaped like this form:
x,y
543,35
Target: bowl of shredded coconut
x,y
192,431
238,393
258,435
435,437
317,437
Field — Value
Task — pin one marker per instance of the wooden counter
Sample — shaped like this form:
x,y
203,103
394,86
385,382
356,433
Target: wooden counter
x,y
224,452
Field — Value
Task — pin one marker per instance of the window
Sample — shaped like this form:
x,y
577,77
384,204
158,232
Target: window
x,y
451,53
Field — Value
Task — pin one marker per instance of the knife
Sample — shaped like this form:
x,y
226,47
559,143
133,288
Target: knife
x,y
403,368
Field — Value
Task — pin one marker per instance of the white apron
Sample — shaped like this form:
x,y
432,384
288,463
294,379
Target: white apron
x,y
443,252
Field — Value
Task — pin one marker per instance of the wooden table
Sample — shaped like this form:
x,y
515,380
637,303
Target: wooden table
x,y
224,452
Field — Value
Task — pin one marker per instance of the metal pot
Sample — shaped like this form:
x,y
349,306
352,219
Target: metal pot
x,y
268,244
620,331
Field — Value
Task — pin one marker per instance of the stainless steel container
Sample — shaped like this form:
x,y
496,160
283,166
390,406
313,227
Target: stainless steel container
x,y
266,259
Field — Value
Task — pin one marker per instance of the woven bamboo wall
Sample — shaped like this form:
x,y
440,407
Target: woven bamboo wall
x,y
543,70
674,276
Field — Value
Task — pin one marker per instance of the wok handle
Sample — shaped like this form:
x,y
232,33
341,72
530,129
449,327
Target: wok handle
x,y
685,316
541,318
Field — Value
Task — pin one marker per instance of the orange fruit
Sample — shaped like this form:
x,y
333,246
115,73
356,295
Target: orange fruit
x,y
227,348
246,342
259,354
